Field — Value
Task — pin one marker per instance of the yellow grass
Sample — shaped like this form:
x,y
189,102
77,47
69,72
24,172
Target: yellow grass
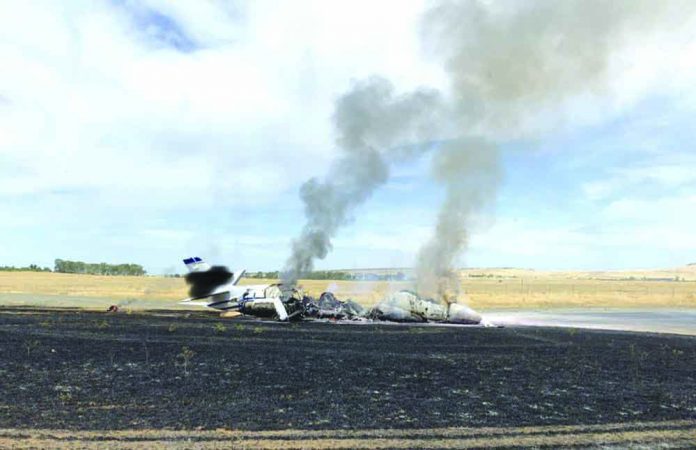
x,y
73,285
538,293
677,433
485,289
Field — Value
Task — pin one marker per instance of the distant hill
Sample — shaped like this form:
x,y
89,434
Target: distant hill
x,y
683,273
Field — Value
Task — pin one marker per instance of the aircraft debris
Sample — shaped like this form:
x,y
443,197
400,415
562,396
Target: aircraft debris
x,y
216,287
329,307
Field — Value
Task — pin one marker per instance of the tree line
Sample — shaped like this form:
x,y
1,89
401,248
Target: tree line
x,y
316,275
65,266
29,268
333,275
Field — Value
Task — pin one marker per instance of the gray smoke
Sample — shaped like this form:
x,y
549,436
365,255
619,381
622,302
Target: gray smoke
x,y
371,122
509,63
511,60
470,173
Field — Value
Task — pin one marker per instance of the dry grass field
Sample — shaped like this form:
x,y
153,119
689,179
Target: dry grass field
x,y
666,434
484,288
74,285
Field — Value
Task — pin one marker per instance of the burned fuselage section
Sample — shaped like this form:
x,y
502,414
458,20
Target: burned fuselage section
x,y
407,306
329,307
402,306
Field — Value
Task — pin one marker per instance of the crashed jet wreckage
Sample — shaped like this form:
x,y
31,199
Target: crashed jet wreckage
x,y
216,287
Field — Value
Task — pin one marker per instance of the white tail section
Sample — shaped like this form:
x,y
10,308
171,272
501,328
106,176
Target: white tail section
x,y
196,264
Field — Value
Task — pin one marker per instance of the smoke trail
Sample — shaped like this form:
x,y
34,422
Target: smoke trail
x,y
509,63
469,170
370,120
512,66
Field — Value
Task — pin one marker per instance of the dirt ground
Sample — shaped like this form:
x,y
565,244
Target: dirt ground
x,y
173,378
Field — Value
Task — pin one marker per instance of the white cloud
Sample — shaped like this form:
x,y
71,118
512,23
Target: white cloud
x,y
660,176
88,101
92,103
673,210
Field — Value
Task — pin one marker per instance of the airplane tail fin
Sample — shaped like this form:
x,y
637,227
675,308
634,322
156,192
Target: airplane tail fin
x,y
196,264
238,276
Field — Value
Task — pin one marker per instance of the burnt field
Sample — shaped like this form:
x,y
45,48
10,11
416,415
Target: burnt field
x,y
183,371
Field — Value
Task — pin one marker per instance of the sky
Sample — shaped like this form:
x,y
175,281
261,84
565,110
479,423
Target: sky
x,y
146,132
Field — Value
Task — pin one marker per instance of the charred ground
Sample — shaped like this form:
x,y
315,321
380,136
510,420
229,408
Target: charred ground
x,y
92,371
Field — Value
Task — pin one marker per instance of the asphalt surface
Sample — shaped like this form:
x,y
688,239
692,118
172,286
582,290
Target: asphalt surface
x,y
656,320
94,371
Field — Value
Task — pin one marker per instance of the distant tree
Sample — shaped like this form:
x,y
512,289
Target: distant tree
x,y
64,266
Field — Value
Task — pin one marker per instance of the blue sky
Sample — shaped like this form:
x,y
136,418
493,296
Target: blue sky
x,y
152,131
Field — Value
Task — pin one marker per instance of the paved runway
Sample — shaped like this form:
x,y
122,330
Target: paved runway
x,y
680,321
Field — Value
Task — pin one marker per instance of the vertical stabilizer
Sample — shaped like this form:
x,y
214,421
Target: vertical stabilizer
x,y
196,264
